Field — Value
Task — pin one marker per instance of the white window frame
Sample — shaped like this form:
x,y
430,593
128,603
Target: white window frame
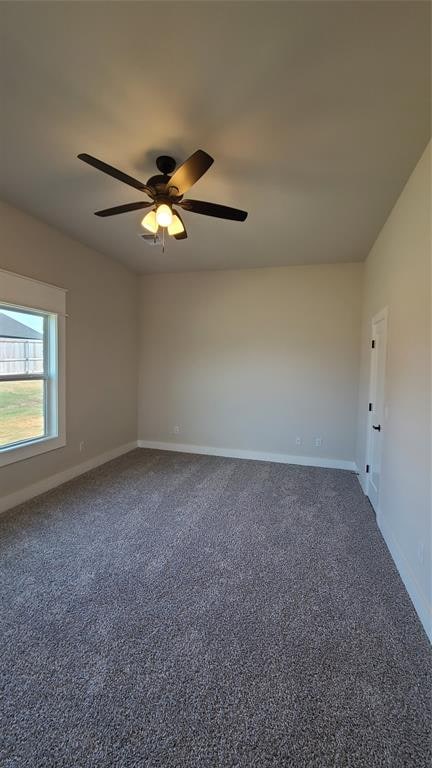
x,y
26,294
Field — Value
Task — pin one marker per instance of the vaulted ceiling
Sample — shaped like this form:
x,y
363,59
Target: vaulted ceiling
x,y
315,113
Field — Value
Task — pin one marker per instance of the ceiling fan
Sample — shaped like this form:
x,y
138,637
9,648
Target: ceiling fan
x,y
166,190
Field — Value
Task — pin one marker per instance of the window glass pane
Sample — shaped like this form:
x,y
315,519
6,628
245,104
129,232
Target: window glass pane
x,y
21,411
21,342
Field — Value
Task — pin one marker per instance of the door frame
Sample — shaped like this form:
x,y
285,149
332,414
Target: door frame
x,y
381,315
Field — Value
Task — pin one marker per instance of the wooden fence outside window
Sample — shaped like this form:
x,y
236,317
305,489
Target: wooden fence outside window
x,y
21,357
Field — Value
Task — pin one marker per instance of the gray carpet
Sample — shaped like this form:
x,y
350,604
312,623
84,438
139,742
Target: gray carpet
x,y
198,612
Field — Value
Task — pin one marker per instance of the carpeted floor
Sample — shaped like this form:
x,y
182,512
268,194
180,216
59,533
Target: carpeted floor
x,y
169,610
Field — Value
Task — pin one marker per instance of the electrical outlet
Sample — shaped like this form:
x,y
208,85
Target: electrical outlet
x,y
318,442
176,430
82,446
298,441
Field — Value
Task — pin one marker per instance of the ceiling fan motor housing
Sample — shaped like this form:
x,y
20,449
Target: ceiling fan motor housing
x,y
158,183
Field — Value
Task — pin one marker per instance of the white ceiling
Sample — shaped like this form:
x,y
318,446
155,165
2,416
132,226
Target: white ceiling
x,y
315,113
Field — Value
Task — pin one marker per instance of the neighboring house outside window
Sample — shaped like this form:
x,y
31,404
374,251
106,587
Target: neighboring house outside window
x,y
32,354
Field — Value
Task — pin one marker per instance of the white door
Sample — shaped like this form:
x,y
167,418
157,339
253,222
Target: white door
x,y
376,425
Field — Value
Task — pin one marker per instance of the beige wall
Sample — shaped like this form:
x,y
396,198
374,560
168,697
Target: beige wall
x,y
397,276
101,366
251,359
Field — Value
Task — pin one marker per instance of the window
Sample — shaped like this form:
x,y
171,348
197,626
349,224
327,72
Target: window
x,y
31,368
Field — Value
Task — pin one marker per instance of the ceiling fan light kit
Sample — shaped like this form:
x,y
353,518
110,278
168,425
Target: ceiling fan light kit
x,y
166,190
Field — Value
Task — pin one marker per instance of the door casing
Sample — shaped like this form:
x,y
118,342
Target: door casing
x,y
374,384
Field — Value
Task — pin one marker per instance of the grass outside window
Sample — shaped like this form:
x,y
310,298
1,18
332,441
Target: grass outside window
x,y
21,411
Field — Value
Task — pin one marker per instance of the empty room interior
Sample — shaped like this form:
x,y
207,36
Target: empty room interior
x,y
215,384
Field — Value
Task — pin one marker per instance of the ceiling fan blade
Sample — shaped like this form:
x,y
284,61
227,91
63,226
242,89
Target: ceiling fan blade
x,y
190,171
213,209
181,235
123,208
114,172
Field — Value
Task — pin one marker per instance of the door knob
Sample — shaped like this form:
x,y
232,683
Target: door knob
x,y
378,428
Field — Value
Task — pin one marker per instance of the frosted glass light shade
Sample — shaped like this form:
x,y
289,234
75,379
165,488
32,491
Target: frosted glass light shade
x,y
149,222
164,215
176,226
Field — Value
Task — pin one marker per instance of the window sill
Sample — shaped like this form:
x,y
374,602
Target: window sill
x,y
12,454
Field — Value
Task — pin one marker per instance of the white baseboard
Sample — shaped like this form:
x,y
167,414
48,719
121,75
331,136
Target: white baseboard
x,y
238,453
362,481
30,491
418,598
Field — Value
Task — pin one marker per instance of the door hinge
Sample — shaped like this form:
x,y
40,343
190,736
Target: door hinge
x,y
373,344
367,468
370,406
